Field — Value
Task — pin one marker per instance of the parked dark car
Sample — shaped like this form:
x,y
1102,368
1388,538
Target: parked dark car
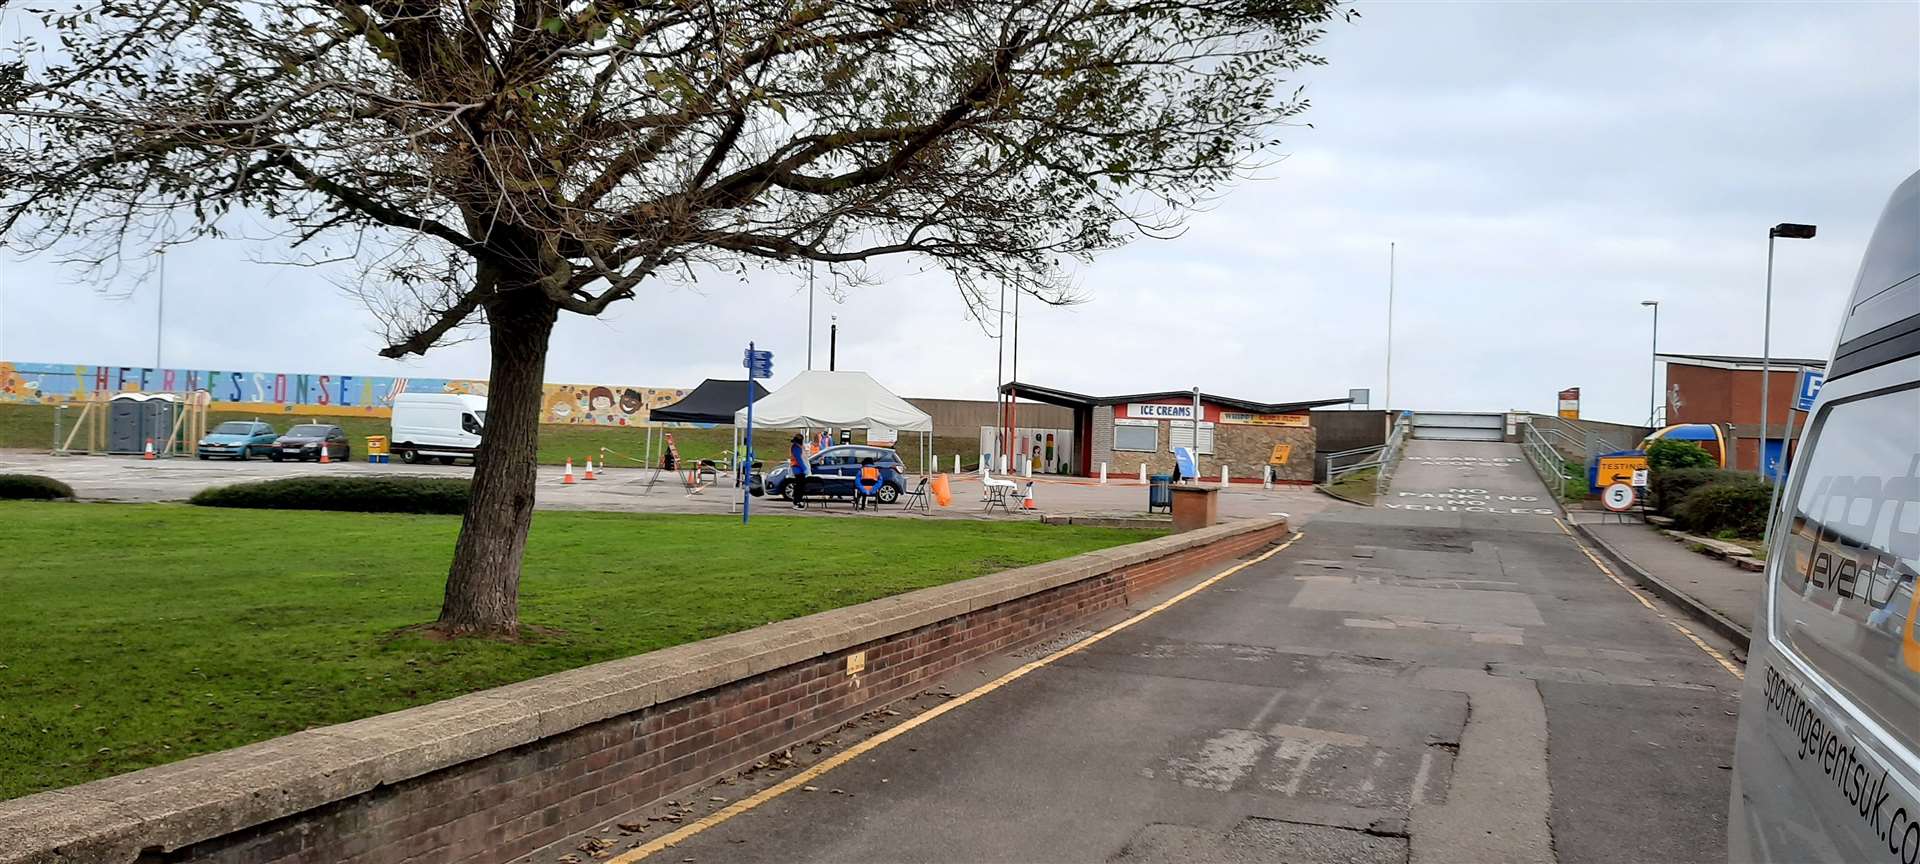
x,y
303,443
237,439
837,467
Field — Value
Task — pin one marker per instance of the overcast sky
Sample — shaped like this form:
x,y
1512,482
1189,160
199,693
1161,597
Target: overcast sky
x,y
1543,167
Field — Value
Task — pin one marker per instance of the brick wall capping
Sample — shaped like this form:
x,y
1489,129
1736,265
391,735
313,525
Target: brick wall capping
x,y
170,806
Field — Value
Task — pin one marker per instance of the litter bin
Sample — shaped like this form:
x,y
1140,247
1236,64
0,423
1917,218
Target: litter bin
x,y
1160,493
377,448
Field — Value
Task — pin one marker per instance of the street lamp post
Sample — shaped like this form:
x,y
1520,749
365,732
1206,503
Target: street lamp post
x,y
1653,367
1791,231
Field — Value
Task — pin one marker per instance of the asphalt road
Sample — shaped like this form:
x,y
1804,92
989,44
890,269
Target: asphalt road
x,y
1446,680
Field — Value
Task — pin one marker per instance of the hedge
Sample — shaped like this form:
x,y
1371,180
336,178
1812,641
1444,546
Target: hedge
x,y
1665,455
1736,505
351,494
32,487
1671,487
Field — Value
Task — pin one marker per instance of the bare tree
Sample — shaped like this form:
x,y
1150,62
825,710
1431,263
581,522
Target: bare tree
x,y
498,162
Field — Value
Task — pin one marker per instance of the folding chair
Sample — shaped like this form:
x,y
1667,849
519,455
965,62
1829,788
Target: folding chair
x,y
917,498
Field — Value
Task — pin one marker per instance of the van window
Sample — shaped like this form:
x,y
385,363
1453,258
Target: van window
x,y
1846,601
468,423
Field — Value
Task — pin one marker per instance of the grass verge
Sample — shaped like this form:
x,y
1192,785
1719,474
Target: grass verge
x,y
140,634
1358,486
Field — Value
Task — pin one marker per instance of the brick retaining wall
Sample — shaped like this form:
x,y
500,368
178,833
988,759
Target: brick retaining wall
x,y
496,774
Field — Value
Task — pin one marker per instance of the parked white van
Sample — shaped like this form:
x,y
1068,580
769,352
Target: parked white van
x,y
442,426
1825,766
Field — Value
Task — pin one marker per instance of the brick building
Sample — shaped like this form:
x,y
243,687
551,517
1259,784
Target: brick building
x,y
1126,432
1724,390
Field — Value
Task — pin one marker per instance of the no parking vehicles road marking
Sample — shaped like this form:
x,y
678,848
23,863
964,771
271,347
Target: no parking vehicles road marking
x,y
1463,500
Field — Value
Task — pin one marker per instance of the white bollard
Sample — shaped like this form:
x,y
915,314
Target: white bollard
x,y
1003,463
1266,477
1026,467
1223,475
936,464
985,463
1103,473
956,463
1143,473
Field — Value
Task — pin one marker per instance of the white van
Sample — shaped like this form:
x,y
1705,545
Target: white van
x,y
1825,765
442,426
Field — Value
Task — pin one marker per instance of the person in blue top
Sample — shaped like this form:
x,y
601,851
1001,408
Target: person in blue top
x,y
866,487
797,463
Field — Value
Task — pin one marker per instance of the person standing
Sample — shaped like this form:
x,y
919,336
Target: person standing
x,y
797,463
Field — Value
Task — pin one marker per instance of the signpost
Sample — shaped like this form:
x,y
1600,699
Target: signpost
x,y
1807,388
1806,391
1570,403
1618,497
759,365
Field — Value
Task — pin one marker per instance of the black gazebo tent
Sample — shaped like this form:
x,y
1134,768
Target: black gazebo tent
x,y
714,402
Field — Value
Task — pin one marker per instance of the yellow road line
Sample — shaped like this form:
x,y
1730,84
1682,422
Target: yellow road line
x,y
1732,668
743,805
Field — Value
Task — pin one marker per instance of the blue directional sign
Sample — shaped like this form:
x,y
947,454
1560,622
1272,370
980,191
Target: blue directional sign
x,y
759,363
1807,388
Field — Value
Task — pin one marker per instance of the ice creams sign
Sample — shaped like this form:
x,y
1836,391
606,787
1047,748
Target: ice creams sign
x,y
1160,412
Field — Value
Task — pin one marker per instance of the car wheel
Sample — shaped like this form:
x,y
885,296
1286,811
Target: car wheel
x,y
203,457
409,456
346,454
273,455
785,491
243,455
888,494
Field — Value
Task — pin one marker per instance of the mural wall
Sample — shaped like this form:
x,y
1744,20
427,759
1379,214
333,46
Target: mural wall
x,y
314,393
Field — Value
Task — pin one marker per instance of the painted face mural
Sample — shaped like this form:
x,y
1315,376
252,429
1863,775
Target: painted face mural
x,y
631,401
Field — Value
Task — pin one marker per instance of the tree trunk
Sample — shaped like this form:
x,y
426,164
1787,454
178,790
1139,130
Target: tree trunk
x,y
483,586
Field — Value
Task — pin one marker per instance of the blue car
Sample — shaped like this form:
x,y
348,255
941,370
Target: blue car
x,y
237,439
837,467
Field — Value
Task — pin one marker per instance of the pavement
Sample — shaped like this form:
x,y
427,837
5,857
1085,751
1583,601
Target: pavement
x,y
1730,592
621,489
1449,677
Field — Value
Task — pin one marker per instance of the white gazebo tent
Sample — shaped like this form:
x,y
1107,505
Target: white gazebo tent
x,y
842,400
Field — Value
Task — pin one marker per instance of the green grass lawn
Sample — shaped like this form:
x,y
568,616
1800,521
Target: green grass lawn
x,y
31,427
133,635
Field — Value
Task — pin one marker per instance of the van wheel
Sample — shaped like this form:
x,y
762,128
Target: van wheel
x,y
409,456
446,460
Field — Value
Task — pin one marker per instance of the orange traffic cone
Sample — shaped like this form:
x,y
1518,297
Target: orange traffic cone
x,y
1026,503
567,478
149,453
589,474
326,454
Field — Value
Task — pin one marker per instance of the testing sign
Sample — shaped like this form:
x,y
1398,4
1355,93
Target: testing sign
x,y
1281,454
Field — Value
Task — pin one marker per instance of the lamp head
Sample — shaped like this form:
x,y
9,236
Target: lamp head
x,y
1792,230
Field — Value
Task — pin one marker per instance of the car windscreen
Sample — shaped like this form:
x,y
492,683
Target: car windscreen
x,y
310,431
233,428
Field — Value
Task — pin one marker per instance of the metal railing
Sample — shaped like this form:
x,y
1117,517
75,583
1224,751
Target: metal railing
x,y
1379,457
1545,459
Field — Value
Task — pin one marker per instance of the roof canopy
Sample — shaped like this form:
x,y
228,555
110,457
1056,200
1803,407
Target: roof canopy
x,y
1053,396
1734,361
837,399
714,401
